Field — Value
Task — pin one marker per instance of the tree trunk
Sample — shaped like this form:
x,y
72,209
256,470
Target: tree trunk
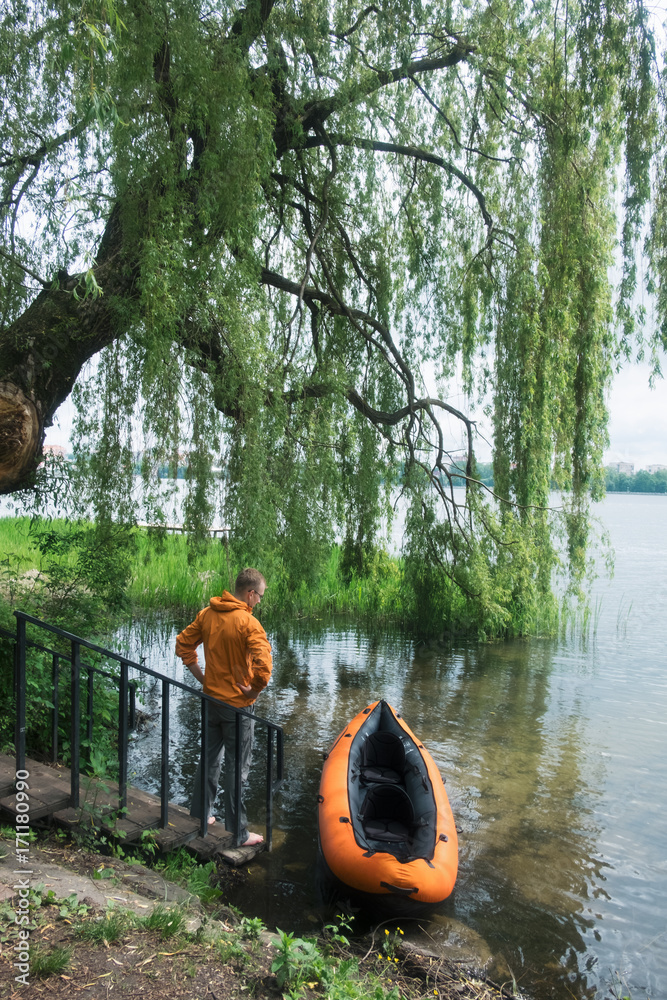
x,y
43,351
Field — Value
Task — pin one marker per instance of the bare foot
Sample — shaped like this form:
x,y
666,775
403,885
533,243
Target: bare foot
x,y
253,838
211,820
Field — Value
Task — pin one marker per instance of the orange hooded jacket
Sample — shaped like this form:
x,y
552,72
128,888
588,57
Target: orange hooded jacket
x,y
235,646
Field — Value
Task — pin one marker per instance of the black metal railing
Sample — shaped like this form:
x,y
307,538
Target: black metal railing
x,y
56,657
126,719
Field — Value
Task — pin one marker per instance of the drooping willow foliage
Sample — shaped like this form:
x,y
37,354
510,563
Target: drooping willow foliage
x,y
266,242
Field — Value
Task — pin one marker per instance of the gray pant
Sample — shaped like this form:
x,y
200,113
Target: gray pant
x,y
221,734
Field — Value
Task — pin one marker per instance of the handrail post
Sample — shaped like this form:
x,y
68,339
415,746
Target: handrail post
x,y
133,705
76,722
164,778
269,788
54,713
279,755
237,778
89,729
122,735
20,682
203,822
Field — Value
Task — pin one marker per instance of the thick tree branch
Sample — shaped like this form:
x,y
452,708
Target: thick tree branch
x,y
311,294
390,419
413,152
377,417
23,267
293,121
317,112
372,9
251,19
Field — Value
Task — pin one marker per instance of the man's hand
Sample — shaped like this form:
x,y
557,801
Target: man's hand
x,y
245,689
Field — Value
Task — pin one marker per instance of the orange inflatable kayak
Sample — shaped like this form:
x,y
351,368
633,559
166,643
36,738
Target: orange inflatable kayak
x,y
386,829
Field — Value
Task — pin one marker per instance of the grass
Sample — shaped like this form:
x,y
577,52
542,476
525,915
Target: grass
x,y
229,949
45,962
165,921
180,866
164,576
112,927
21,559
116,924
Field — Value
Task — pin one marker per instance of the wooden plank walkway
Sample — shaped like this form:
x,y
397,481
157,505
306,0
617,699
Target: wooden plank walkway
x,y
49,791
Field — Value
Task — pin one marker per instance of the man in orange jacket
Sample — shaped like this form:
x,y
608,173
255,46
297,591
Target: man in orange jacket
x,y
238,666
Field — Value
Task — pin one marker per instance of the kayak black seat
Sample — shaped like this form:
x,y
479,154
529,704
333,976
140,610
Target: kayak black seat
x,y
387,814
382,759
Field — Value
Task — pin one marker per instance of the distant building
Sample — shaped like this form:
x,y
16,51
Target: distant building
x,y
55,450
627,468
459,461
656,468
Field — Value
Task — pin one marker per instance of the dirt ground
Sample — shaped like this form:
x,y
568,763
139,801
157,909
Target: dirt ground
x,y
140,966
144,963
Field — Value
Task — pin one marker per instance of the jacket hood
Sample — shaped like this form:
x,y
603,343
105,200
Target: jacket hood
x,y
227,602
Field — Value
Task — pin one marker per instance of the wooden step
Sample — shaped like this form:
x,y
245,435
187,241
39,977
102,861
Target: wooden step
x,y
48,787
49,791
7,775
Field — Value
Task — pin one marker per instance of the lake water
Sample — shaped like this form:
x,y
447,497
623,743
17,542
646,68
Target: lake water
x,y
555,758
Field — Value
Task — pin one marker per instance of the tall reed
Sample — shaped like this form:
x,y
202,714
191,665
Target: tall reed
x,y
168,573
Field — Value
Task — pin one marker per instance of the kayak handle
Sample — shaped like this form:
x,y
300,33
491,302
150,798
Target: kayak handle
x,y
399,890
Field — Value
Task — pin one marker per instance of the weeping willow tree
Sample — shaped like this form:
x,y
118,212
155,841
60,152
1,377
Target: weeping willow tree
x,y
270,240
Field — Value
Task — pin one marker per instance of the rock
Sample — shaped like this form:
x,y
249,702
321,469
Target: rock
x,y
452,940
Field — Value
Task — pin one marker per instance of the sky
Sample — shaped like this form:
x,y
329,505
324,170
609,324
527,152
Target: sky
x,y
637,429
638,425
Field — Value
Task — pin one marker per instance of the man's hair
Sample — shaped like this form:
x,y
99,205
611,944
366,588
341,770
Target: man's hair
x,y
248,579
